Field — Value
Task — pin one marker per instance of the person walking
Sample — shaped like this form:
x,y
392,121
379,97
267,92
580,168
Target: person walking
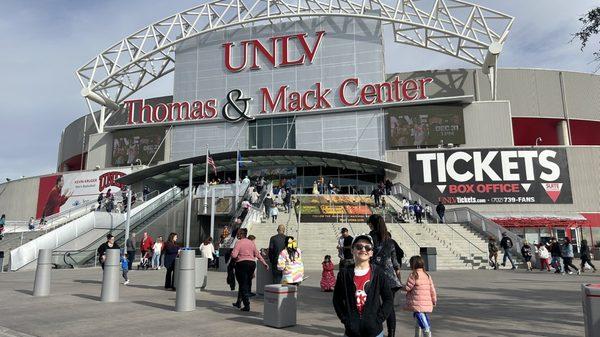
x,y
556,253
276,245
526,253
362,297
345,246
506,244
274,213
376,194
125,267
99,200
421,296
544,255
244,253
493,252
130,248
157,249
384,258
208,250
418,212
290,263
268,203
315,188
171,252
586,257
440,209
567,256
109,244
327,275
388,187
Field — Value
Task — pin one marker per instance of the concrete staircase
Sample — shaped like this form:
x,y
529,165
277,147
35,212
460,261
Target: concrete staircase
x,y
14,240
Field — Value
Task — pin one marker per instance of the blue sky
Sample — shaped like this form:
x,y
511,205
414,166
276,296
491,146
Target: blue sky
x,y
44,42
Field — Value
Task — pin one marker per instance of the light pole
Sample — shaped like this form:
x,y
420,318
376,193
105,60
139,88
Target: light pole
x,y
128,222
189,210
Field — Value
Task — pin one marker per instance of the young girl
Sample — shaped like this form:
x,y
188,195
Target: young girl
x,y
544,257
327,277
420,296
290,263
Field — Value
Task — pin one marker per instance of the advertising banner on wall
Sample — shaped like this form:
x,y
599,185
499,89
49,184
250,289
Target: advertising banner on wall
x,y
138,145
331,208
492,176
59,192
425,126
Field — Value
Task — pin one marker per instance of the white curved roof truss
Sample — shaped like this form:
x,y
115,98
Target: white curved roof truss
x,y
456,28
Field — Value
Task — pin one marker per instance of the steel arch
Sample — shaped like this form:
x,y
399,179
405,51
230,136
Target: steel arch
x,y
453,27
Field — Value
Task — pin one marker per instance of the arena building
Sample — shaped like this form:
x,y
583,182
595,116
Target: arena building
x,y
299,91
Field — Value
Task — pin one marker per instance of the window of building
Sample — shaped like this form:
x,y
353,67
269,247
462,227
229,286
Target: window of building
x,y
272,133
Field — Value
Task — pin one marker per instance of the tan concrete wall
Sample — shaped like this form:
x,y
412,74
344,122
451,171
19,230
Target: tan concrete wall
x,y
18,198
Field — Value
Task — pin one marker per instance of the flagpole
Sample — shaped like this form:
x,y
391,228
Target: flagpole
x,y
206,184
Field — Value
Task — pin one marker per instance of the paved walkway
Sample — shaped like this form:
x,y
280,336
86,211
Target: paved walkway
x,y
471,303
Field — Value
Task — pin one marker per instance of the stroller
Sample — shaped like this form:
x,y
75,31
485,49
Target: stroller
x,y
146,261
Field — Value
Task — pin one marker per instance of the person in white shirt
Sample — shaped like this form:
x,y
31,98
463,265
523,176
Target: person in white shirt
x,y
246,180
207,249
156,251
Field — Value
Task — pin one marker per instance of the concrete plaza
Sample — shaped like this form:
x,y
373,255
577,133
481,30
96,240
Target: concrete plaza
x,y
471,303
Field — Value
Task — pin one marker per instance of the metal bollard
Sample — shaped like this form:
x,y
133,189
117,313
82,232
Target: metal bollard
x,y
176,272
41,286
1,261
185,299
110,276
591,309
201,272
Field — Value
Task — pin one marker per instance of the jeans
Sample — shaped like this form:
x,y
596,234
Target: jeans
x,y
169,277
130,258
125,271
156,260
556,263
568,262
586,259
391,320
243,273
507,256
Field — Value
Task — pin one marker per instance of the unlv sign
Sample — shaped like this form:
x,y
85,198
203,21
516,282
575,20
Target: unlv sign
x,y
269,52
492,176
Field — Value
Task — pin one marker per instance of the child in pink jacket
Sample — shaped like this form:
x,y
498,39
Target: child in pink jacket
x,y
420,296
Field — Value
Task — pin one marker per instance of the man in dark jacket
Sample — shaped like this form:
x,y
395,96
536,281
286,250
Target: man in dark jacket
x,y
276,245
362,298
441,211
556,254
506,244
130,247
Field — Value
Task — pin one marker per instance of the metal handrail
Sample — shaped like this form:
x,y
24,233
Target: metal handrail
x,y
135,220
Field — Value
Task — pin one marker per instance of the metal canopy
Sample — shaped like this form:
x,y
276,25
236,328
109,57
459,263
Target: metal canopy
x,y
463,30
172,174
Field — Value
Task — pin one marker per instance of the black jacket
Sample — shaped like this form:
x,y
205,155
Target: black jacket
x,y
276,245
506,243
103,247
378,307
440,209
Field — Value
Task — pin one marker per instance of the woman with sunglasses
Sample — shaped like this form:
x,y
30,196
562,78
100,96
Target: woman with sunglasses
x,y
362,297
386,259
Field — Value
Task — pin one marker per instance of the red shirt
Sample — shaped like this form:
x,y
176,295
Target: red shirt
x,y
55,200
361,278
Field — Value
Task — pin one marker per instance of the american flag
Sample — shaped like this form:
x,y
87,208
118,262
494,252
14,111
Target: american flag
x,y
211,162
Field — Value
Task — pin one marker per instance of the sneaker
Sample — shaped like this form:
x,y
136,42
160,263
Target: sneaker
x,y
245,309
570,273
513,268
237,305
578,272
126,283
503,264
158,268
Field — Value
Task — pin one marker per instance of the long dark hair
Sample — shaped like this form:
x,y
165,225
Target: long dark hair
x,y
290,250
379,227
171,238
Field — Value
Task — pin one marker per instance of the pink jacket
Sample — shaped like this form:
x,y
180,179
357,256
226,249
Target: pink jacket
x,y
420,293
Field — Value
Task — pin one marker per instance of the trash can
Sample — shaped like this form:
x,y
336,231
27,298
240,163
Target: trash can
x,y
1,261
429,255
280,305
263,278
201,272
591,309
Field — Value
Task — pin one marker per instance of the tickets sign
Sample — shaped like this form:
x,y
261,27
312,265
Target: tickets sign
x,y
492,176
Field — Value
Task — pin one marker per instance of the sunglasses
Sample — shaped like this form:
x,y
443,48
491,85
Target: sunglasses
x,y
367,247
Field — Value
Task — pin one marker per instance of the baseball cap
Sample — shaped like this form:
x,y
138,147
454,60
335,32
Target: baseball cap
x,y
344,230
362,236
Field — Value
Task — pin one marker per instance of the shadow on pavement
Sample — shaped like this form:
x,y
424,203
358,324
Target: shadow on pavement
x,y
156,305
88,297
24,291
88,281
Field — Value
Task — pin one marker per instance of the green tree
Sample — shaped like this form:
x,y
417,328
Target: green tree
x,y
590,27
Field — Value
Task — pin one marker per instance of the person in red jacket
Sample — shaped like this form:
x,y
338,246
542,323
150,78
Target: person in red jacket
x,y
146,244
56,198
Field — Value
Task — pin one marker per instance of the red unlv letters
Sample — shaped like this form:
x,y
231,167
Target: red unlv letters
x,y
271,56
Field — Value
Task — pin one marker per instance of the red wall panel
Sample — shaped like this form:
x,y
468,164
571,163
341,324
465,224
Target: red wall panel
x,y
526,130
585,132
